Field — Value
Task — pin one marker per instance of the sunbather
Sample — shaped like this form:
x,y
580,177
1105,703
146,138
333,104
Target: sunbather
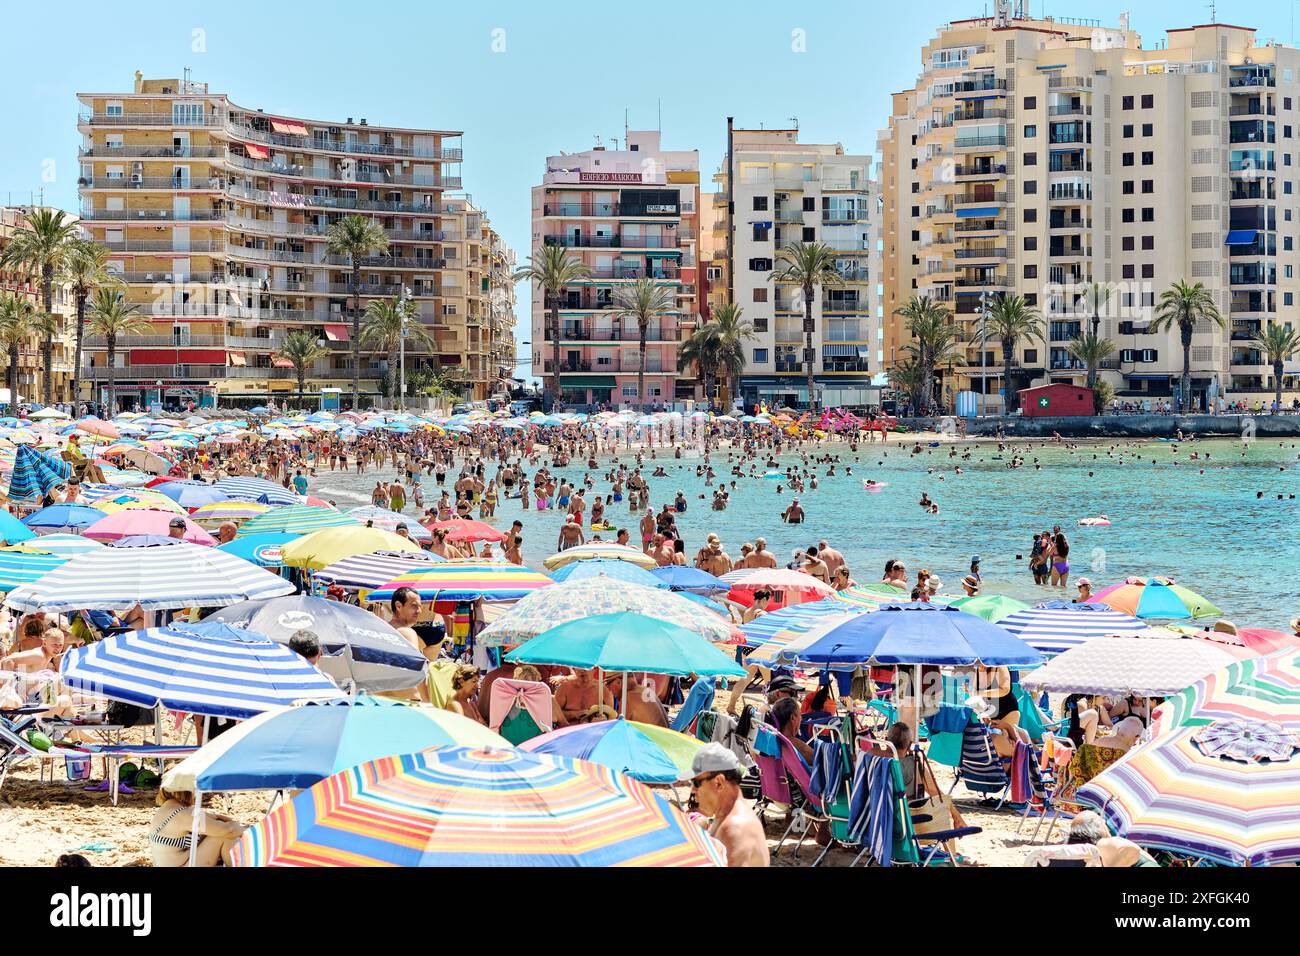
x,y
715,785
1089,716
173,823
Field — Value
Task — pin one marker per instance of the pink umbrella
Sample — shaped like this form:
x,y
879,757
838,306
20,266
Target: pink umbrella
x,y
94,426
796,586
1260,640
125,524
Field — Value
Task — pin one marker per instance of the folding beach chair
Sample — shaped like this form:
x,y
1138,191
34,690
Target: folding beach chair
x,y
1054,765
982,770
889,820
698,700
15,750
1073,855
1087,761
520,710
785,781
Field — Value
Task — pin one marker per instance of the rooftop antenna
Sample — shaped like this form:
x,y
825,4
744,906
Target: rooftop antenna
x,y
794,123
1214,11
625,124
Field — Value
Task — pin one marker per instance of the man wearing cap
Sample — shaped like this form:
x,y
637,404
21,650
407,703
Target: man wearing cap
x,y
176,528
715,784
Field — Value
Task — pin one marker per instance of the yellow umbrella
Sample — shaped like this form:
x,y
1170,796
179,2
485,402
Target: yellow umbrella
x,y
138,501
600,550
331,545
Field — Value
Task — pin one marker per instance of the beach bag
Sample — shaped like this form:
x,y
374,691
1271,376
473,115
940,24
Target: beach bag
x,y
77,768
937,808
127,715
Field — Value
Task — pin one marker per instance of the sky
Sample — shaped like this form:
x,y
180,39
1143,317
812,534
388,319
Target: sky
x,y
522,79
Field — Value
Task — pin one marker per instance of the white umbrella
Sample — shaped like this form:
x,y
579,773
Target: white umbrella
x,y
1157,665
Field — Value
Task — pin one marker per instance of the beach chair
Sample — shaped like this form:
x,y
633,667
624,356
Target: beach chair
x,y
1073,855
520,710
831,780
885,821
786,781
698,700
16,749
114,755
982,770
1054,764
1087,761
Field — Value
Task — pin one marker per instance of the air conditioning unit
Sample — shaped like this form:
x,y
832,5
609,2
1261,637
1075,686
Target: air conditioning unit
x,y
136,179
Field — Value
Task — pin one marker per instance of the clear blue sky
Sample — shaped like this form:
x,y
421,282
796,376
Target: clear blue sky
x,y
566,74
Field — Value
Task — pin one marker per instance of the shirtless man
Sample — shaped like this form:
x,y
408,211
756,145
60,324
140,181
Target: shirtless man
x,y
715,784
648,530
815,566
793,514
577,694
761,558
713,559
514,552
570,535
834,560
404,606
643,701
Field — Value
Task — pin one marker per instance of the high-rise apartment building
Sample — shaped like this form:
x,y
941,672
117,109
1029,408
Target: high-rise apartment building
x,y
217,215
775,191
29,372
1035,156
626,214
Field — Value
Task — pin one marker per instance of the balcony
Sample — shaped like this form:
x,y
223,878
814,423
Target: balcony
x,y
1252,275
1069,192
1065,134
984,282
614,242
964,87
302,200
322,143
155,341
151,373
198,184
152,152
982,225
971,115
611,366
198,246
1070,109
979,142
1068,163
1251,82
992,198
1069,251
140,278
150,215
1252,108
844,216
180,119
572,333
1069,83
981,252
979,169
371,177
635,272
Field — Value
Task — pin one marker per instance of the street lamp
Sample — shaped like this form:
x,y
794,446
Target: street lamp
x,y
401,345
984,332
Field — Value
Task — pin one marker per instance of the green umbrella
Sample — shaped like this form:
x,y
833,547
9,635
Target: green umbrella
x,y
627,642
992,607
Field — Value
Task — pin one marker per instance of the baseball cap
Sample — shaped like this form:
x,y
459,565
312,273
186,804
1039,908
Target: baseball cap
x,y
1083,581
783,683
714,758
974,559
176,523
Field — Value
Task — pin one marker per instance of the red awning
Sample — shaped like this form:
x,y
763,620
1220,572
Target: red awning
x,y
337,333
257,152
238,360
281,363
288,127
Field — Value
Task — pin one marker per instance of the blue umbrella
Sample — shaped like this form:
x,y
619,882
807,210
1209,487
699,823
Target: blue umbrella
x,y
679,578
614,570
18,566
14,531
261,549
35,473
256,489
191,494
63,516
916,633
617,744
711,604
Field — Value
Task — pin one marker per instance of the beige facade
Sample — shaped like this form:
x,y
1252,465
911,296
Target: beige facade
x,y
30,377
217,218
783,191
1034,156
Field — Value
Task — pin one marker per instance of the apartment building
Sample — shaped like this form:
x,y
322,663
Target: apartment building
x,y
1034,156
30,370
776,191
217,216
626,213
502,262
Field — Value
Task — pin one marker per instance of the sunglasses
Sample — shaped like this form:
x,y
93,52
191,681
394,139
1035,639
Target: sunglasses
x,y
698,782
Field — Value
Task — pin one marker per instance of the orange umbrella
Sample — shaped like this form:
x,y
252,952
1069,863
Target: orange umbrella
x,y
94,426
465,529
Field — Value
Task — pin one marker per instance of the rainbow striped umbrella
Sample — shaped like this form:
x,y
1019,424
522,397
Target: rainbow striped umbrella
x,y
1157,598
1263,689
210,516
1224,792
871,596
770,633
466,581
296,519
459,807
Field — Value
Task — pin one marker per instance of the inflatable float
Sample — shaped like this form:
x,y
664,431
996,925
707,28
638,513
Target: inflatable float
x,y
1099,522
874,486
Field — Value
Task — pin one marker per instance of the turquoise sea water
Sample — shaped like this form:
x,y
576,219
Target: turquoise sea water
x,y
1208,531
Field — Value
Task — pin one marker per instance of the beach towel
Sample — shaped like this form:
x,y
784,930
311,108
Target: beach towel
x,y
871,807
828,769
700,699
981,768
512,698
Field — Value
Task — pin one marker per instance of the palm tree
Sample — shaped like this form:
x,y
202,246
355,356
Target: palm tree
x,y
810,265
1092,351
732,331
552,268
382,332
110,316
355,237
17,319
934,341
1185,306
302,350
1095,297
42,246
1278,343
646,301
1010,320
85,269
906,377
701,350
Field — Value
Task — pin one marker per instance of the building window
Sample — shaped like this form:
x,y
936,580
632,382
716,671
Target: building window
x,y
1128,187
1148,159
1031,159
1128,159
760,295
760,356
1148,102
1128,130
1031,187
1031,243
809,233
760,265
1127,103
1031,298
810,202
1031,215
760,204
1031,272
1031,132
1148,214
1031,102
1150,355
1148,129
1128,215
1148,185
1288,298
1128,244
1031,356
113,108
1148,243
1129,271
1148,271
760,232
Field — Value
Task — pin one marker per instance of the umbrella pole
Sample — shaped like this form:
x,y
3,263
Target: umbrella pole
x,y
194,818
916,697
623,699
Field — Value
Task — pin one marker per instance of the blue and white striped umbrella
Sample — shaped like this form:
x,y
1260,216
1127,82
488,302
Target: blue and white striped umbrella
x,y
95,492
1056,626
256,489
66,545
209,669
23,565
35,473
371,571
117,579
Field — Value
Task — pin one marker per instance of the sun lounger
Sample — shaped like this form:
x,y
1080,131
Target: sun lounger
x,y
15,750
1073,855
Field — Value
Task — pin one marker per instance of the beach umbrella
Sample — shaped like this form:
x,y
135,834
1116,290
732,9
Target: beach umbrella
x,y
331,545
465,529
66,545
627,641
994,608
390,520
1156,598
768,634
453,806
296,519
1262,689
213,515
681,578
359,647
264,550
145,460
297,747
796,586
573,600
46,413
1257,640
366,571
1155,665
139,500
144,541
185,575
917,634
35,473
60,517
256,489
13,531
190,494
1224,792
133,522
602,550
95,426
24,565
603,567
466,580
206,669
703,601
653,755
871,596
1056,626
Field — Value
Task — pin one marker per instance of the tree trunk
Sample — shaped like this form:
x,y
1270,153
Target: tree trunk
x,y
1185,399
395,380
642,325
47,345
110,341
808,346
1010,401
356,334
555,348
302,388
1278,367
76,358
1096,322
11,379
